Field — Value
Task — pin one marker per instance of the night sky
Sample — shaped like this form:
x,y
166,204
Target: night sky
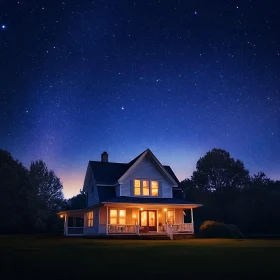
x,y
179,77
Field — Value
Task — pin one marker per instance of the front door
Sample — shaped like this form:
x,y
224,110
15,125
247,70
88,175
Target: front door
x,y
148,219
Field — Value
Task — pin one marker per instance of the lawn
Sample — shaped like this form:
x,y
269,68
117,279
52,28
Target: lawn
x,y
41,257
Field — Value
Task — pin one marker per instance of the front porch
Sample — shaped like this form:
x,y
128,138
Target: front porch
x,y
117,220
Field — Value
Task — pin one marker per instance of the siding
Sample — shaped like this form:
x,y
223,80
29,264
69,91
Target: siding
x,y
118,190
129,220
161,216
179,216
146,170
103,213
92,193
96,216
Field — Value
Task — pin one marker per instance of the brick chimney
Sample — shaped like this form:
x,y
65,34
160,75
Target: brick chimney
x,y
104,157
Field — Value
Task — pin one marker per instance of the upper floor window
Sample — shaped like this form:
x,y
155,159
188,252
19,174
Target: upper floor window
x,y
146,187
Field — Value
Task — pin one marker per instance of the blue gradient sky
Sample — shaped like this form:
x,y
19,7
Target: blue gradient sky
x,y
178,77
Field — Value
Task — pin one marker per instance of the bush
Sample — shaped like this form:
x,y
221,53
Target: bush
x,y
212,229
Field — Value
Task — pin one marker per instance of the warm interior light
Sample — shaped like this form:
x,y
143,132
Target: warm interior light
x,y
122,213
165,209
141,209
134,216
61,216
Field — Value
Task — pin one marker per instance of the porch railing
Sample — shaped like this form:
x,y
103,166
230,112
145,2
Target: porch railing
x,y
91,230
182,228
75,230
122,229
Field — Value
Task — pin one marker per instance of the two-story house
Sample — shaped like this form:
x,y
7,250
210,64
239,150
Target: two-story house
x,y
136,198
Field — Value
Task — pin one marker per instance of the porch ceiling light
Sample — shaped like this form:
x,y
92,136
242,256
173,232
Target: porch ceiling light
x,y
165,209
61,216
141,209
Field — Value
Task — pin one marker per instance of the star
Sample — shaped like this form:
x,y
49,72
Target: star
x,y
3,26
122,108
195,12
26,111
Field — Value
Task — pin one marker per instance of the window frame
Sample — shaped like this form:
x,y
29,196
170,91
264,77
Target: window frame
x,y
89,220
173,217
149,185
117,217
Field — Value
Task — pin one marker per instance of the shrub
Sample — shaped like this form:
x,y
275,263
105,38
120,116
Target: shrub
x,y
212,229
235,231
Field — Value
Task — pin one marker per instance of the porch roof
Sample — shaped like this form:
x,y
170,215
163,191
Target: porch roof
x,y
149,200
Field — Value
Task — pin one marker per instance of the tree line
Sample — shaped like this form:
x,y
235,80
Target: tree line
x,y
230,195
30,199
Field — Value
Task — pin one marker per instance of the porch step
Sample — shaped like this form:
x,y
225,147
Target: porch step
x,y
154,237
183,236
131,237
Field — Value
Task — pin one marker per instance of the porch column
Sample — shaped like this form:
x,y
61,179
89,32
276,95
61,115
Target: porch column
x,y
66,225
192,218
107,220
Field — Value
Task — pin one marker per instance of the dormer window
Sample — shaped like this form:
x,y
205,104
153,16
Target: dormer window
x,y
146,187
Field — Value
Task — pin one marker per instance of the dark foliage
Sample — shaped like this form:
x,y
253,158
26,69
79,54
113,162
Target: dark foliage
x,y
29,200
77,202
18,211
212,229
49,195
229,194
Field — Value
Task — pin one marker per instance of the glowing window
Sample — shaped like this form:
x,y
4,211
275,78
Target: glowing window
x,y
89,219
144,218
170,217
113,217
154,188
122,216
146,187
117,217
137,187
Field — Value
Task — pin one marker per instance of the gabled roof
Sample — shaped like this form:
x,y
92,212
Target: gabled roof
x,y
108,173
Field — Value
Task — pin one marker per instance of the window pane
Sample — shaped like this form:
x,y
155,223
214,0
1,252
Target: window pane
x,y
154,188
170,216
113,213
146,187
113,217
152,220
113,221
90,219
144,218
122,217
90,215
137,187
122,213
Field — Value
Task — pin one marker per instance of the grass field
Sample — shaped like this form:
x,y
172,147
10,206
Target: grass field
x,y
40,257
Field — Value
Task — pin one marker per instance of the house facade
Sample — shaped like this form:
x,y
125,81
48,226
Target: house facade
x,y
141,197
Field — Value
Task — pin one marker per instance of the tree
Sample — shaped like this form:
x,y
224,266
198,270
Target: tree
x,y
217,171
48,193
17,200
259,204
77,202
216,184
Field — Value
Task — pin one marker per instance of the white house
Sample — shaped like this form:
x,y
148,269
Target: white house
x,y
138,198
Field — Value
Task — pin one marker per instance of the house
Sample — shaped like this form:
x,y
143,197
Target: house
x,y
136,198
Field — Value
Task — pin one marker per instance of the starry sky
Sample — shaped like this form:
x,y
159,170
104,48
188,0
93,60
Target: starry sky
x,y
178,77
